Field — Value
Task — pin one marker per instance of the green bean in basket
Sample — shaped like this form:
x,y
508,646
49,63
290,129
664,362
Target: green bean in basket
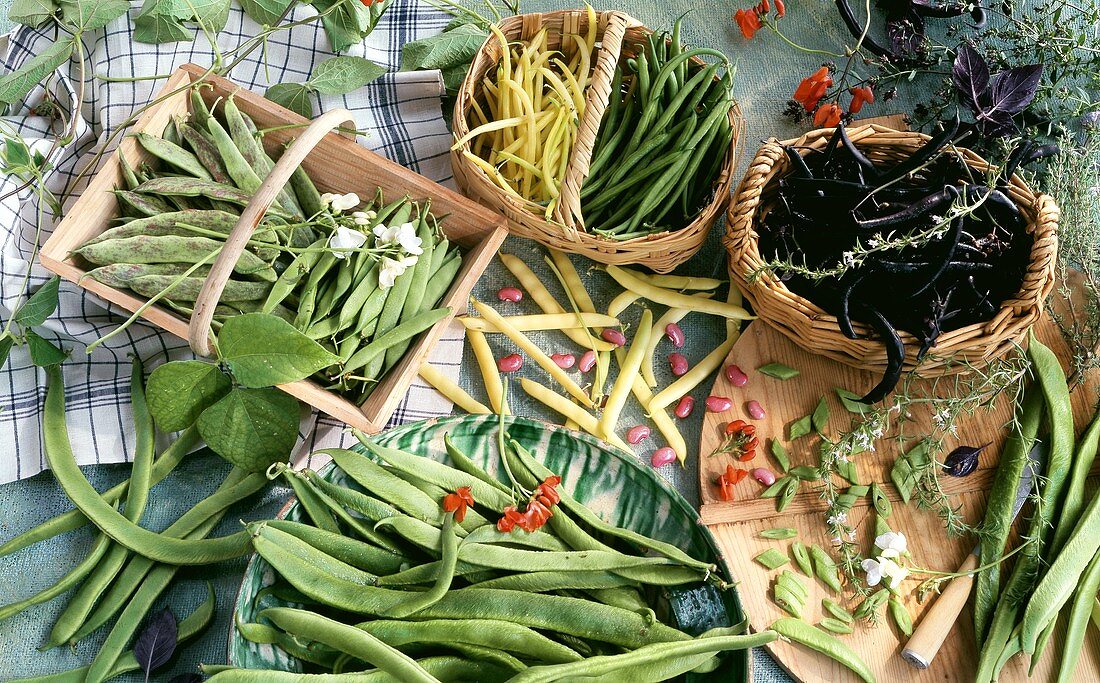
x,y
662,141
361,278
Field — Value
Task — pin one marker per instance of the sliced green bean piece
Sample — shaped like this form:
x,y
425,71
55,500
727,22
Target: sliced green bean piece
x,y
778,371
802,558
780,454
771,559
835,626
778,533
834,608
900,616
825,567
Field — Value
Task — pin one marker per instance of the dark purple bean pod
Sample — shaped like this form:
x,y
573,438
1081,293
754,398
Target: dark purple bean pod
x,y
980,17
845,317
997,203
856,30
915,210
949,255
922,155
799,169
895,356
859,156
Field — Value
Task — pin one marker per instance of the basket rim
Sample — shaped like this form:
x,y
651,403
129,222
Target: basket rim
x,y
1017,312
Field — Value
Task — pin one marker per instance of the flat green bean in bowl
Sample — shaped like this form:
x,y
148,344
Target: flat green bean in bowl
x,y
615,487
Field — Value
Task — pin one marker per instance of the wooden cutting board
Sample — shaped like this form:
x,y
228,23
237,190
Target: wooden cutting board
x,y
736,524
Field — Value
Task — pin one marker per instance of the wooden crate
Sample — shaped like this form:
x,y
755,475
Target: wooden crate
x,y
337,164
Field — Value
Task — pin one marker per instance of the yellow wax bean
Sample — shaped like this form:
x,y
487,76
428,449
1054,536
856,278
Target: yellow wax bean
x,y
665,424
628,370
545,321
571,411
536,354
490,375
675,299
677,281
693,377
487,127
621,302
455,393
546,301
572,280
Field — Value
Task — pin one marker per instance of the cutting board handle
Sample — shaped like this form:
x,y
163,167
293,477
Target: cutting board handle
x,y
940,617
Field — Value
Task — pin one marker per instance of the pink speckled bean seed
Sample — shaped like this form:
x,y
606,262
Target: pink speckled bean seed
x,y
718,404
765,476
588,361
663,456
637,434
510,363
678,363
684,407
613,336
675,335
512,294
755,410
736,377
564,360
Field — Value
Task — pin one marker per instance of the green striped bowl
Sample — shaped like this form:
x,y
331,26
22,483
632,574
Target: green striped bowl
x,y
615,486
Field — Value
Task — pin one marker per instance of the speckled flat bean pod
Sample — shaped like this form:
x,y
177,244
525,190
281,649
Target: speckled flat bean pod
x,y
206,152
173,154
188,288
170,249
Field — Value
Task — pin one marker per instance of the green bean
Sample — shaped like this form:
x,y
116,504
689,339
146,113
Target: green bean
x,y
441,280
422,272
1052,379
825,567
548,581
170,249
607,665
74,519
366,290
998,513
142,206
194,187
254,153
395,336
308,298
366,505
586,515
65,583
188,288
444,476
463,463
473,519
80,606
200,113
834,608
835,626
165,224
306,192
388,319
158,547
311,651
1079,613
375,478
444,574
173,154
490,535
820,641
358,554
444,668
129,178
290,544
289,279
364,531
189,627
195,524
488,654
242,173
206,152
317,512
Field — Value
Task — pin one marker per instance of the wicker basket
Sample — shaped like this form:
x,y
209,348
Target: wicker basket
x,y
817,331
618,34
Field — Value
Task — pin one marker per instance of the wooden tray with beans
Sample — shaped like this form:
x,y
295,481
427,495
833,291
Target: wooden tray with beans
x,y
790,386
368,258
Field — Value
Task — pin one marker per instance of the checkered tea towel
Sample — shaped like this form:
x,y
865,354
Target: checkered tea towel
x,y
401,111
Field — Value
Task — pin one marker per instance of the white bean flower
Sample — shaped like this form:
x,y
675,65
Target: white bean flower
x,y
344,202
344,240
363,217
891,544
884,569
403,235
392,269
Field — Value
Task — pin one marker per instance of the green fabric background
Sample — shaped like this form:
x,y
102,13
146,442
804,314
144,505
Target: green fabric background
x,y
767,73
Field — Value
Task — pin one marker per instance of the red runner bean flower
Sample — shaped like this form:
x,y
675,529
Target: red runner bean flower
x,y
728,480
748,21
457,502
860,96
538,509
739,441
827,116
810,91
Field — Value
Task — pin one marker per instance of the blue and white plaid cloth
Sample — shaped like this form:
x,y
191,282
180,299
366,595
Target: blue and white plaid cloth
x,y
401,111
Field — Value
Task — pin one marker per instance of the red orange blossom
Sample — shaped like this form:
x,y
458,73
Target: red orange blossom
x,y
752,20
815,87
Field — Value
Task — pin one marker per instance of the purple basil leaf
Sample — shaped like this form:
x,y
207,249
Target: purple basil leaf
x,y
906,34
996,123
1010,91
970,74
157,642
186,678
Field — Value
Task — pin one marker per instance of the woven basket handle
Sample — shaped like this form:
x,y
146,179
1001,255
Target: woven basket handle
x,y
199,329
568,210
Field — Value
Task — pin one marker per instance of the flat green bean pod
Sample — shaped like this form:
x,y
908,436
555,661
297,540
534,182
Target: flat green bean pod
x,y
820,641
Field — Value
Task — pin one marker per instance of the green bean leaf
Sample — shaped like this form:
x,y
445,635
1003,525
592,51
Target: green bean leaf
x,y
263,350
293,96
453,77
15,86
33,13
6,342
161,25
40,305
251,428
177,392
341,75
266,11
443,51
44,353
89,15
212,14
